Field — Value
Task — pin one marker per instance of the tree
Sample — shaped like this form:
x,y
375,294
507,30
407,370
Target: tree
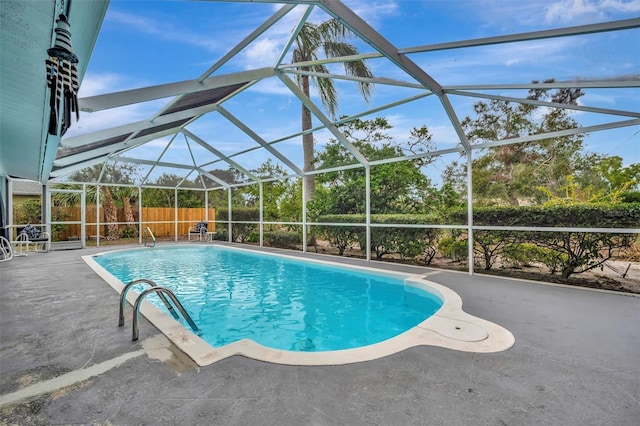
x,y
122,173
274,193
514,172
397,187
163,197
329,37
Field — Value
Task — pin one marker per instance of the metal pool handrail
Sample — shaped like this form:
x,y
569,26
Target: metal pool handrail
x,y
123,298
174,299
153,238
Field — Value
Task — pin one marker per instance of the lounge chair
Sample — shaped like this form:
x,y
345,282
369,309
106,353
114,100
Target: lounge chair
x,y
31,236
198,232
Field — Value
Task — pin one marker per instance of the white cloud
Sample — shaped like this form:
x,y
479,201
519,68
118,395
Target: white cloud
x,y
372,11
91,122
262,53
96,84
164,30
571,11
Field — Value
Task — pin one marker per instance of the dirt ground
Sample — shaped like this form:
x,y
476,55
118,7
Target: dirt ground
x,y
609,277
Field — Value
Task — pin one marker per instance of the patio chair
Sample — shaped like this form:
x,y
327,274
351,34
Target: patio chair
x,y
199,231
30,235
6,251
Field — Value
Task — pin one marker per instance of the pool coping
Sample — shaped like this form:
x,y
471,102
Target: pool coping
x,y
450,327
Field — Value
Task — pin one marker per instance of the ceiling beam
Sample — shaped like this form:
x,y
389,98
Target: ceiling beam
x,y
546,104
134,96
624,24
240,125
324,119
557,134
219,154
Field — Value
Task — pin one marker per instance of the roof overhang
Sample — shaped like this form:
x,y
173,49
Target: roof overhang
x,y
27,31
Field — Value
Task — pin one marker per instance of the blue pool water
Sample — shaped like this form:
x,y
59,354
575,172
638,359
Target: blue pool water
x,y
278,302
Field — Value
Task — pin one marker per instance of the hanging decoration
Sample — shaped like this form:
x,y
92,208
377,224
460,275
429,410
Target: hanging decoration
x,y
62,79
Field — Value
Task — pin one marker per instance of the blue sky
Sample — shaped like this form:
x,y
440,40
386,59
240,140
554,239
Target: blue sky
x,y
145,43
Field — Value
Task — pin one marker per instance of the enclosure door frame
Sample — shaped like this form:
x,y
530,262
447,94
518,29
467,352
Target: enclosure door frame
x,y
82,222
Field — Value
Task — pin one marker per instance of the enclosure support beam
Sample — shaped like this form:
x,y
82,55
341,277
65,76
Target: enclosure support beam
x,y
206,206
98,215
175,214
304,214
367,177
261,214
45,209
83,216
10,207
470,210
139,215
229,214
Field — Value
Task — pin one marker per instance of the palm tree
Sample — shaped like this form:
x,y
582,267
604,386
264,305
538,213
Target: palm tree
x,y
109,195
71,199
329,37
127,194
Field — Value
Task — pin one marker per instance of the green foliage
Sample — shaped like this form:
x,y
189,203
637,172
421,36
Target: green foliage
x,y
408,242
397,187
242,232
129,232
282,199
566,252
28,211
453,248
222,233
522,254
577,252
630,197
508,174
578,215
489,245
341,237
282,239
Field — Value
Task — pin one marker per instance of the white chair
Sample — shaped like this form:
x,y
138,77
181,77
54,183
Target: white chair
x,y
21,244
41,241
6,251
198,232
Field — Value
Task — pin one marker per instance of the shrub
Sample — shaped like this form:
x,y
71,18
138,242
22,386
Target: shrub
x,y
282,239
522,254
456,250
568,252
489,243
129,232
341,237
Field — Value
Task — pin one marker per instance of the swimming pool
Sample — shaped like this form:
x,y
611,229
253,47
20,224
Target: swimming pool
x,y
278,302
282,309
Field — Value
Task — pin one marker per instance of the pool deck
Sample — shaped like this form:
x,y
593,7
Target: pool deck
x,y
64,360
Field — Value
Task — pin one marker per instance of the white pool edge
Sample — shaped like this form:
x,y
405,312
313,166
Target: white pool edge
x,y
450,327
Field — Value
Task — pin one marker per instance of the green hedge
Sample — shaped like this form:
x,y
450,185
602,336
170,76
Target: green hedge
x,y
625,215
242,232
409,243
564,252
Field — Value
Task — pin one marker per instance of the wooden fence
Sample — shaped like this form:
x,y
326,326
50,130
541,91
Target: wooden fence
x,y
161,220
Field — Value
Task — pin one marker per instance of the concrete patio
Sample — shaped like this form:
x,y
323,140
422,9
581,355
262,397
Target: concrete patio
x,y
64,360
